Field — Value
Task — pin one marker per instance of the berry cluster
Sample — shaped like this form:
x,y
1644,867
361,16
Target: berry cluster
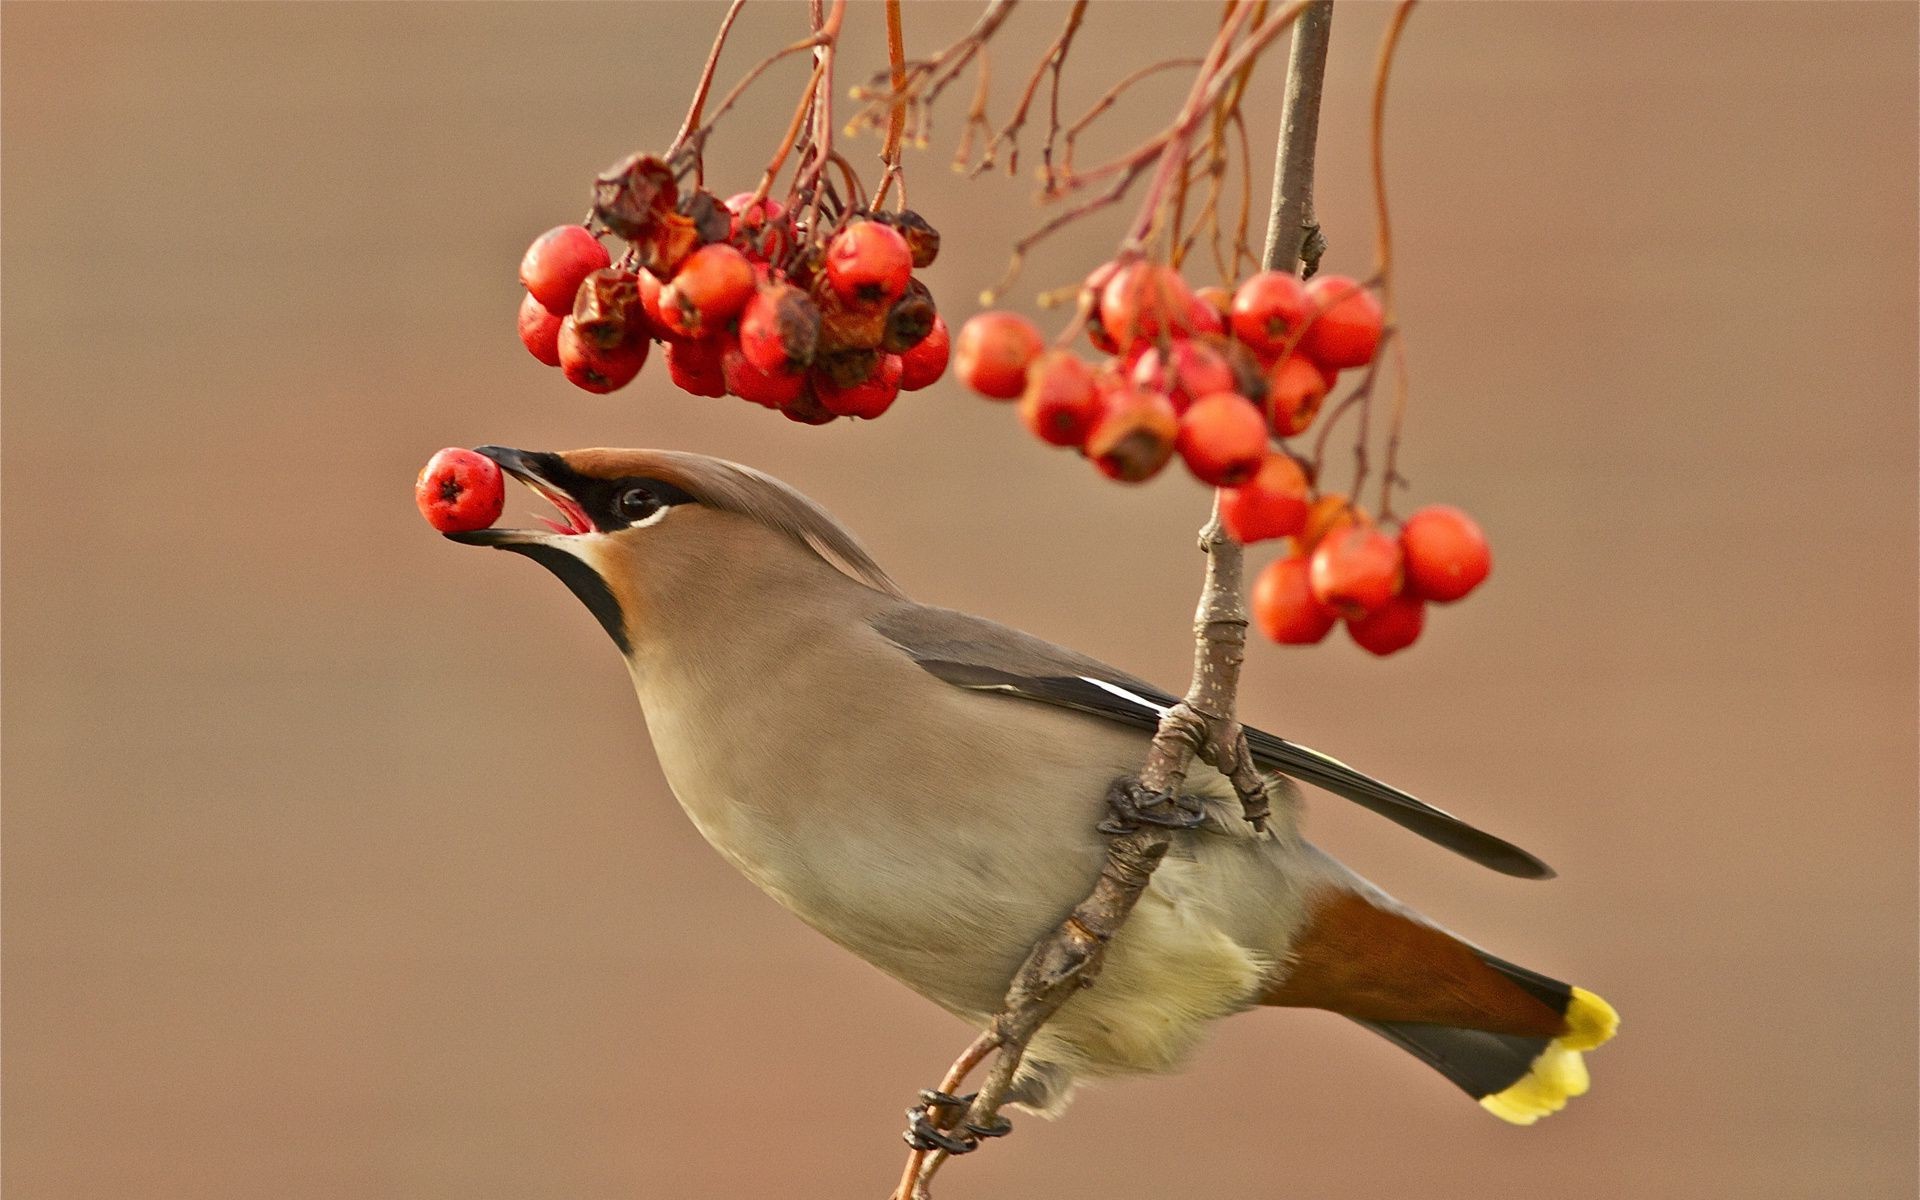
x,y
816,317
1344,567
1216,377
1208,374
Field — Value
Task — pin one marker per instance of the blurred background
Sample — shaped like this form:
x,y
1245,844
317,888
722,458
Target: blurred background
x,y
337,861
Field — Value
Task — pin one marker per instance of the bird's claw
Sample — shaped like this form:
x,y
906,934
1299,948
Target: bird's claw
x,y
924,1134
1130,804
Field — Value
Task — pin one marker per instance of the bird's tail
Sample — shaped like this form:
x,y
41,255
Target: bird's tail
x,y
1509,1037
1516,1077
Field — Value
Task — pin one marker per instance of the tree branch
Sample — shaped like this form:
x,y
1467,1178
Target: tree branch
x,y
1202,725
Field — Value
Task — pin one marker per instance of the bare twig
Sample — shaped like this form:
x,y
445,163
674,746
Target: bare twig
x,y
706,83
1203,725
1010,132
1383,255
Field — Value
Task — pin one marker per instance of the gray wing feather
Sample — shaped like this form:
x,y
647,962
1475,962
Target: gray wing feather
x,y
978,654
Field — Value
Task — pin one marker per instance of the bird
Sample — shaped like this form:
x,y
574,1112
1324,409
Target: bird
x,y
925,788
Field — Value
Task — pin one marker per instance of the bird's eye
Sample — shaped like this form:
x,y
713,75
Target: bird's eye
x,y
636,504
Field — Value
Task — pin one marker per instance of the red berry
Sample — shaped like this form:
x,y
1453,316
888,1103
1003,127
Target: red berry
x,y
1185,371
459,490
866,399
1284,607
1268,311
1090,292
1446,554
869,263
1330,512
555,264
597,369
993,351
1062,401
769,388
1272,505
1203,318
1355,570
710,289
927,361
762,231
1223,439
1346,330
1133,436
539,330
650,287
780,329
1295,391
1144,301
1393,626
694,366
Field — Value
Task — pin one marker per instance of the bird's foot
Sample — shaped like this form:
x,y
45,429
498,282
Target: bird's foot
x,y
930,1124
1130,804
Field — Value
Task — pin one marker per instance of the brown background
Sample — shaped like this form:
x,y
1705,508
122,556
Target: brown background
x,y
337,862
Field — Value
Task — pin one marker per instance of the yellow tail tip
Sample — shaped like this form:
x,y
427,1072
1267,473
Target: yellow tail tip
x,y
1559,1073
1591,1021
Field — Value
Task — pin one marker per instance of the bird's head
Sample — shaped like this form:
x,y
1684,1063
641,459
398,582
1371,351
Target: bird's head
x,y
643,536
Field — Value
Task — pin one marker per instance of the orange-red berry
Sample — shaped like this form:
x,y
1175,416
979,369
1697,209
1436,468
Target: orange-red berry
x,y
1185,371
1268,311
1062,401
780,329
771,389
1446,553
552,268
459,490
1392,627
1355,570
599,369
1271,505
539,330
1295,391
927,361
869,263
1284,606
1133,436
694,366
993,351
866,399
710,288
1345,330
1144,301
1223,439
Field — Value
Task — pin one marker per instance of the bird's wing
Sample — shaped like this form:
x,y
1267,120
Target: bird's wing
x,y
978,654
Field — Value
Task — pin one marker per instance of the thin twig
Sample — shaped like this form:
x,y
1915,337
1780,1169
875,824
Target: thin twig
x,y
700,89
1383,255
1010,132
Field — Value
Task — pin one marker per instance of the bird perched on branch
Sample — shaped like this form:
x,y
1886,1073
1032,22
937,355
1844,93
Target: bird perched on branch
x,y
924,787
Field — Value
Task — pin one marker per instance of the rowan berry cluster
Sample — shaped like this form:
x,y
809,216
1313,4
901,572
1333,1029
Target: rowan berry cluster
x,y
818,317
1222,380
1209,375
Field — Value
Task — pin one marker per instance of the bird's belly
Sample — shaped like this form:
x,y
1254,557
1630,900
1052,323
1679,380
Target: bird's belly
x,y
945,866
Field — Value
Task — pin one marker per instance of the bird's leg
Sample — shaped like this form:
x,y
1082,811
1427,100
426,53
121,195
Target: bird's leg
x,y
930,1122
1131,804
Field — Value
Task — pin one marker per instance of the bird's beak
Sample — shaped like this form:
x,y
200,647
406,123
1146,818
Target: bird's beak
x,y
542,472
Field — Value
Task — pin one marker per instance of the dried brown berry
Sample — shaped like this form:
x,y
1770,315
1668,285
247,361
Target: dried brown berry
x,y
607,311
847,368
910,319
633,195
923,240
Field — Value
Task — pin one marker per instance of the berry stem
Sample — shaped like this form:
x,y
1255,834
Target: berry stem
x,y
1383,253
703,87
